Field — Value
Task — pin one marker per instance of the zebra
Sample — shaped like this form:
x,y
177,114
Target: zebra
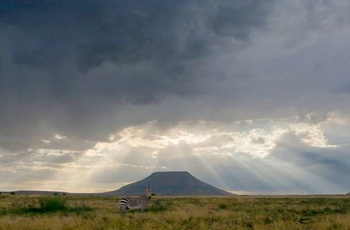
x,y
140,202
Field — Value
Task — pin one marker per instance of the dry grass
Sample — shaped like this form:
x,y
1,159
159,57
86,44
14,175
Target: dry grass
x,y
231,212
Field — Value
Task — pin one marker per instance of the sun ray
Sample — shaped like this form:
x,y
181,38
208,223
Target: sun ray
x,y
248,153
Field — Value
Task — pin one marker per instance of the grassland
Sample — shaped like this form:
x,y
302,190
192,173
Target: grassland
x,y
229,212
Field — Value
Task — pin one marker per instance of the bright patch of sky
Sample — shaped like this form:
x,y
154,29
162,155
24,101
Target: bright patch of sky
x,y
251,147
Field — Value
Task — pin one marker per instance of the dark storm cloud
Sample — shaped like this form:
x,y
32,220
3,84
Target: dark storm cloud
x,y
68,66
126,32
343,89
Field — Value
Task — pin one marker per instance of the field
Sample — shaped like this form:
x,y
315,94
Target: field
x,y
229,212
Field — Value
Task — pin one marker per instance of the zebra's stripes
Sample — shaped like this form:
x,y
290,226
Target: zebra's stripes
x,y
140,202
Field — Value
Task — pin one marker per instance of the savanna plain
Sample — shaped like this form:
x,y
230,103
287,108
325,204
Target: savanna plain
x,y
192,212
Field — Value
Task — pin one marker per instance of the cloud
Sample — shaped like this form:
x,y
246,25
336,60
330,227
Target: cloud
x,y
69,67
343,89
325,165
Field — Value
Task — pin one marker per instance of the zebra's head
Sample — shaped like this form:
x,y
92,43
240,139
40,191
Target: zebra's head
x,y
149,191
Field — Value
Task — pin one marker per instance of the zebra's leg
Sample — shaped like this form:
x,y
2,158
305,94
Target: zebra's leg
x,y
123,210
143,208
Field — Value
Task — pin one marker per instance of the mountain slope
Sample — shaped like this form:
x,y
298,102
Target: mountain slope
x,y
170,183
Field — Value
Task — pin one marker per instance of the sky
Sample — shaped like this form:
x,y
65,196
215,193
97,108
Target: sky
x,y
250,96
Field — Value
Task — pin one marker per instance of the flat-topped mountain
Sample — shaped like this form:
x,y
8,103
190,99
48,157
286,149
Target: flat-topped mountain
x,y
170,183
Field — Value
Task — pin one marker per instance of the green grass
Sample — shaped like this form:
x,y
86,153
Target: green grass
x,y
21,205
228,212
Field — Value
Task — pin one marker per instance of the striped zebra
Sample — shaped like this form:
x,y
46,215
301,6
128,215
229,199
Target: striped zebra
x,y
140,202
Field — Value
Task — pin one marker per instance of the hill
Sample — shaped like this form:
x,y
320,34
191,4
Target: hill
x,y
31,192
170,183
46,193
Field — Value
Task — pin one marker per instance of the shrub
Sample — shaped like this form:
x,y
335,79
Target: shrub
x,y
52,204
47,204
158,206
